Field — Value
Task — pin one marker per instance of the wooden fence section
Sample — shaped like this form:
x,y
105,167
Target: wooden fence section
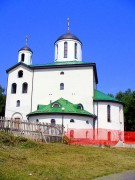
x,y
35,131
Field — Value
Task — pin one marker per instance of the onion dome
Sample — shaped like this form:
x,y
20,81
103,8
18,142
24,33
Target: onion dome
x,y
25,48
68,35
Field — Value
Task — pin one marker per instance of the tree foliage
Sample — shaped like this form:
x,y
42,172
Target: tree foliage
x,y
2,101
128,98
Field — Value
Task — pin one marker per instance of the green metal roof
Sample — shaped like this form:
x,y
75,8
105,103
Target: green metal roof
x,y
69,108
60,63
99,96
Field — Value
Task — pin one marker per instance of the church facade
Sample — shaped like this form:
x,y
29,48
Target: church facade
x,y
62,92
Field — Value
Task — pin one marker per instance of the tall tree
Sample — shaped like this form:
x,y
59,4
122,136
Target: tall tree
x,y
2,101
128,98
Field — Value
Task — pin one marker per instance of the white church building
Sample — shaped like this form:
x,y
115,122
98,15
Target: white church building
x,y
61,92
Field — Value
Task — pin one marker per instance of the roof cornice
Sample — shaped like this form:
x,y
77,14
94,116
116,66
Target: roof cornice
x,y
47,66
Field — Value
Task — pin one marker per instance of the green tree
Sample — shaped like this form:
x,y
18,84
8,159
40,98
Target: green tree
x,y
2,101
128,98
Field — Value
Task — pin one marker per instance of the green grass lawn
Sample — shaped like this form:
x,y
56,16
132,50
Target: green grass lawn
x,y
22,159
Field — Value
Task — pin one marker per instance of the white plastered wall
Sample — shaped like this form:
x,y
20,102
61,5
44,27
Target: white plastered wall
x,y
80,121
78,86
25,99
116,116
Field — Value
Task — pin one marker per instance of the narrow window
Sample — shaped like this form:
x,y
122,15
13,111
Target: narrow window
x,y
62,73
61,86
18,103
75,50
57,51
72,120
108,113
13,88
65,49
24,88
20,74
52,121
22,57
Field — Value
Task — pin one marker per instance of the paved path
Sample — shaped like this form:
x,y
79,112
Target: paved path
x,y
128,175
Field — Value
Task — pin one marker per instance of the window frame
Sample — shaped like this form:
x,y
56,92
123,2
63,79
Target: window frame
x,y
65,49
19,74
108,113
61,86
61,73
53,121
18,103
75,50
22,57
72,121
13,88
24,89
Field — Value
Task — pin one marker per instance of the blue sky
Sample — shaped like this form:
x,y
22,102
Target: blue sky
x,y
106,28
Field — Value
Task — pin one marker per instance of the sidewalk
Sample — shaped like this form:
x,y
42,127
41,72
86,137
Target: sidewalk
x,y
127,175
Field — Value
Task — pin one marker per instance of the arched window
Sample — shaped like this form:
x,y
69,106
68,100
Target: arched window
x,y
57,51
55,105
80,106
72,120
75,50
37,120
61,73
20,74
18,103
87,122
65,49
13,88
108,113
24,87
61,86
52,121
22,57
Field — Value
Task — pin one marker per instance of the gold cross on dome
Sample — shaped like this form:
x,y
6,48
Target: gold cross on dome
x,y
68,24
26,38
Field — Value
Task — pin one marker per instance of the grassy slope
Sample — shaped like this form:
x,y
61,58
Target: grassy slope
x,y
59,161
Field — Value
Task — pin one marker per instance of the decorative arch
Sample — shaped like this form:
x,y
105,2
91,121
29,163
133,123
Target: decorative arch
x,y
17,115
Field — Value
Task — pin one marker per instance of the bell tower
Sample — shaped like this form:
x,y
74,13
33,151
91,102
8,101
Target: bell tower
x,y
68,47
25,54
